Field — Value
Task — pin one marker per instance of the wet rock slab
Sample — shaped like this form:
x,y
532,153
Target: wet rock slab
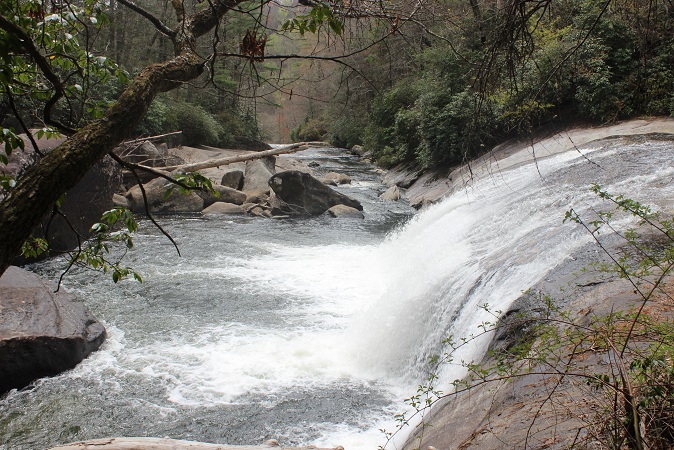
x,y
42,333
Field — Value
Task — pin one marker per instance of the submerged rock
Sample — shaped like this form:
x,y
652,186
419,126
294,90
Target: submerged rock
x,y
42,333
392,194
345,211
299,193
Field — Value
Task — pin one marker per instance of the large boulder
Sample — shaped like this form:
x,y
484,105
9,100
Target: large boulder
x,y
42,333
257,175
157,201
298,193
83,205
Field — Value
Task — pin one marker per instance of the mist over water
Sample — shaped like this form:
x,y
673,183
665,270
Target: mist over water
x,y
312,331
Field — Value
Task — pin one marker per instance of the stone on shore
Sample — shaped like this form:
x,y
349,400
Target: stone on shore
x,y
224,208
334,178
156,201
233,179
42,333
225,194
298,193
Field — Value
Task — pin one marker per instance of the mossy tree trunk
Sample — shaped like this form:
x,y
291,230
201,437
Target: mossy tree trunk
x,y
40,187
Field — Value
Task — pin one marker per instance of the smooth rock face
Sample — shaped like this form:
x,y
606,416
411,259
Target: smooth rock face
x,y
233,179
42,333
301,194
345,211
257,175
155,191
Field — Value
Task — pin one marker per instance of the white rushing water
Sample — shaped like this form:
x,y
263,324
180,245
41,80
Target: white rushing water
x,y
313,331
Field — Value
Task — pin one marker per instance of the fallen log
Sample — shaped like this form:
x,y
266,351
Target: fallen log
x,y
292,148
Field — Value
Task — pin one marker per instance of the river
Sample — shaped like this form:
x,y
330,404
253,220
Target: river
x,y
311,331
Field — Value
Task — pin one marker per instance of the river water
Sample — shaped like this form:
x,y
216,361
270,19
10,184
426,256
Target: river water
x,y
312,331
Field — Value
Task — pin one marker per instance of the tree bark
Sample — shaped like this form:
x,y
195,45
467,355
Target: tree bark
x,y
41,186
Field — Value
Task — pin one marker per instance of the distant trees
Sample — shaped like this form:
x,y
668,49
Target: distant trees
x,y
487,70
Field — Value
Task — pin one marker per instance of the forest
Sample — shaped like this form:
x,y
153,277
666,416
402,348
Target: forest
x,y
431,81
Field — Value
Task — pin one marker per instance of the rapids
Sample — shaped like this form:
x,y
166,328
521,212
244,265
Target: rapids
x,y
312,331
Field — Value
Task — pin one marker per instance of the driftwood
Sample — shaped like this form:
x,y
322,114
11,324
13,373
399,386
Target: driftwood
x,y
241,158
145,443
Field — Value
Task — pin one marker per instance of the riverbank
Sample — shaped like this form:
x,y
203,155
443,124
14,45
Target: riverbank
x,y
535,411
421,188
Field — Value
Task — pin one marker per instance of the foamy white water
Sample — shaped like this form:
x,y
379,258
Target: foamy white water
x,y
313,331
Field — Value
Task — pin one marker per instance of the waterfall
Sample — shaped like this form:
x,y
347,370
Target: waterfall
x,y
488,243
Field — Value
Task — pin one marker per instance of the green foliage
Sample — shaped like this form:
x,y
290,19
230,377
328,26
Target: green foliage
x,y
515,70
10,142
199,127
160,119
34,247
188,182
312,129
346,131
319,15
97,251
63,37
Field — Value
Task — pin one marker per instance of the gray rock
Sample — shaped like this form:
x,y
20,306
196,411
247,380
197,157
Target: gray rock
x,y
224,208
120,200
155,191
257,174
344,211
357,150
233,179
334,178
299,194
42,333
225,194
391,194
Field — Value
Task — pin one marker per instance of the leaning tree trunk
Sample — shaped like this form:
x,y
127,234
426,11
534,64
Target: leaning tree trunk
x,y
40,187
